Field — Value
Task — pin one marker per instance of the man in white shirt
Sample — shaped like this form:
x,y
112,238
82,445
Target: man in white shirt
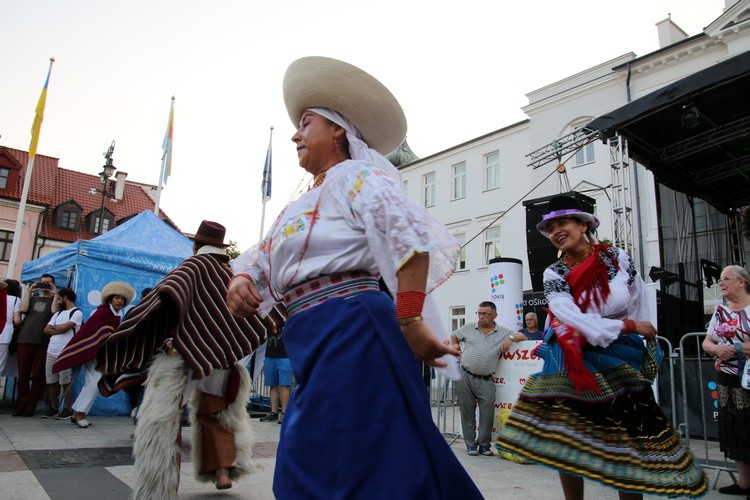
x,y
61,328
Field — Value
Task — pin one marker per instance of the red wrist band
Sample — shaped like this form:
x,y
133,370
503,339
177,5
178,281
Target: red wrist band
x,y
628,326
409,303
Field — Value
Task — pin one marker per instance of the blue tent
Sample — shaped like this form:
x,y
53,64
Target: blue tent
x,y
141,252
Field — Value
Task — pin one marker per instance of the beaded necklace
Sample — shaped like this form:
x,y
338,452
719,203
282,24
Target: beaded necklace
x,y
573,263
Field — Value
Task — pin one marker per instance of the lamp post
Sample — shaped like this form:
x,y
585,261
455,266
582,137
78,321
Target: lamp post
x,y
107,171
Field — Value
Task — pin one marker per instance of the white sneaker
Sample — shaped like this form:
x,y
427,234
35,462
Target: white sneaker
x,y
83,423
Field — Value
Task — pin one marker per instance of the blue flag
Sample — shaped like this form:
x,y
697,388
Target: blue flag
x,y
265,187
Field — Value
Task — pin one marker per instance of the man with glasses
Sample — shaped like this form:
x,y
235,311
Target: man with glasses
x,y
483,342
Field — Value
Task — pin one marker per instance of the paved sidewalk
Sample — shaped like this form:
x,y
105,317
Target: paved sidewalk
x,y
52,459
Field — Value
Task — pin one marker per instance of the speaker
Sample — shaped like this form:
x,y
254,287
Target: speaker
x,y
541,252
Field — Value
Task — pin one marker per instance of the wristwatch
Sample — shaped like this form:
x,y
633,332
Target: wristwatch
x,y
511,337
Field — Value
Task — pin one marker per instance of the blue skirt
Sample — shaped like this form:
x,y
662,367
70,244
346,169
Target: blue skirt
x,y
358,424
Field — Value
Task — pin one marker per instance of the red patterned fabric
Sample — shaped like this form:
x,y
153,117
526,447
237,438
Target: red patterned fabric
x,y
189,306
589,284
3,306
87,340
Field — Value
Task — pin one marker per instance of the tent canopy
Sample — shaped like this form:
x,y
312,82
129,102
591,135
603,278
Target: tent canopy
x,y
141,251
694,134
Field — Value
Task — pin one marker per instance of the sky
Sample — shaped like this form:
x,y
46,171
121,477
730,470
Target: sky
x,y
458,69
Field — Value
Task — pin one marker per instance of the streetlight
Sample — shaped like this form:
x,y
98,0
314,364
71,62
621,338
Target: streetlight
x,y
107,171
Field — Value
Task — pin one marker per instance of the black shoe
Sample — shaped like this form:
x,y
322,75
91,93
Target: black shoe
x,y
18,412
50,413
734,489
281,417
64,415
270,417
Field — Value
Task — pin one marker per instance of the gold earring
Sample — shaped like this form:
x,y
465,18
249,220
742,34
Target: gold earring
x,y
586,237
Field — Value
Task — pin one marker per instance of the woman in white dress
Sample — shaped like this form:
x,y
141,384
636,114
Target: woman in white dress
x,y
358,424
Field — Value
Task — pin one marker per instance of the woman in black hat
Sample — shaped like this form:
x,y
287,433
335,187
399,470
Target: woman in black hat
x,y
591,412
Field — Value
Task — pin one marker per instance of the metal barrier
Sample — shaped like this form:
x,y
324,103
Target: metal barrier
x,y
709,459
445,408
447,417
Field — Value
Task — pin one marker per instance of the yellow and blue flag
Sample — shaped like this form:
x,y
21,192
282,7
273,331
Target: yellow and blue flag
x,y
36,127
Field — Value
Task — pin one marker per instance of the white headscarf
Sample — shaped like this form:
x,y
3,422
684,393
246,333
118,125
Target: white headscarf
x,y
358,149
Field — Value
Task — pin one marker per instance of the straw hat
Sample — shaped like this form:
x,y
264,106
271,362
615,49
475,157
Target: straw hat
x,y
323,82
118,288
565,206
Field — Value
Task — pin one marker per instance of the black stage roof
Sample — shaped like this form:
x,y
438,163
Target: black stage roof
x,y
694,134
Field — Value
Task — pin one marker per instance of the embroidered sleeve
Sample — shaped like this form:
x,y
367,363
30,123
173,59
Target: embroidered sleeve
x,y
250,262
395,226
638,303
598,331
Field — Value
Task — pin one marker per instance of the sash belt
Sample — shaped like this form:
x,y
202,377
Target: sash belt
x,y
317,290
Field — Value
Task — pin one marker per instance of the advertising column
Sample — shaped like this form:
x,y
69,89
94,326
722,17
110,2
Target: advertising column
x,y
506,292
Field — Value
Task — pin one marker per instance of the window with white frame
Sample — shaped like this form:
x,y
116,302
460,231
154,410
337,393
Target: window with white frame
x,y
459,181
492,245
69,219
492,170
429,189
6,243
585,155
105,225
461,257
458,317
4,175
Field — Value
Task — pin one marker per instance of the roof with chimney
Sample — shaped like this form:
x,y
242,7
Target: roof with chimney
x,y
52,186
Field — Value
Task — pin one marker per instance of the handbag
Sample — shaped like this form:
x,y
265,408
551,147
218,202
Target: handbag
x,y
13,345
745,375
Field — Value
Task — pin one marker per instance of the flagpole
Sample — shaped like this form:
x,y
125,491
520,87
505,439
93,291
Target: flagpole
x,y
266,191
166,158
35,130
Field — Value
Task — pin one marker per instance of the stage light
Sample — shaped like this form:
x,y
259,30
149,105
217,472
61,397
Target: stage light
x,y
690,117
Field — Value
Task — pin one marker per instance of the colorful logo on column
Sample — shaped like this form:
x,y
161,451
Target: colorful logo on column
x,y
519,313
714,393
496,281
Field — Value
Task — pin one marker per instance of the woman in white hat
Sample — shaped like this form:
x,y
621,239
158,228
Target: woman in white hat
x,y
359,405
591,412
81,350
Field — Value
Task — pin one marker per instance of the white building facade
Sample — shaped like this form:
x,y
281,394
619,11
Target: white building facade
x,y
477,188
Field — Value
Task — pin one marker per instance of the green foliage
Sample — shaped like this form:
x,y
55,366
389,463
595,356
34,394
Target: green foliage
x,y
232,250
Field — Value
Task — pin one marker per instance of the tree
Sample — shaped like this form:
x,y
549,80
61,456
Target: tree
x,y
232,250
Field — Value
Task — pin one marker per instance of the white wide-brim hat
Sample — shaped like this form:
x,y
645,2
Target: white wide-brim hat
x,y
322,82
121,288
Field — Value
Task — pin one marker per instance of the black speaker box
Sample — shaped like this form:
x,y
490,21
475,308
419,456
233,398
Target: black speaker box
x,y
540,250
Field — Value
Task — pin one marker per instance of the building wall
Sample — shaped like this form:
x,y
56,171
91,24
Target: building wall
x,y
30,227
553,111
